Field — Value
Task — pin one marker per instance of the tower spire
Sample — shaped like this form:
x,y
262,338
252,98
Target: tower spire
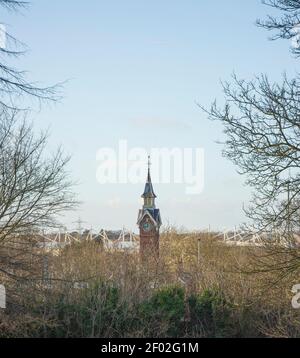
x,y
149,192
149,170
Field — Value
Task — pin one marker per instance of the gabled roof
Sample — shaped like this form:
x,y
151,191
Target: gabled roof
x,y
153,214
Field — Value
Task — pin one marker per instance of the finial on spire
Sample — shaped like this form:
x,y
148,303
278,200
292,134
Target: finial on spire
x,y
149,162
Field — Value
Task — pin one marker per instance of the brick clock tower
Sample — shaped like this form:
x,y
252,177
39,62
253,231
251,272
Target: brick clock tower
x,y
149,222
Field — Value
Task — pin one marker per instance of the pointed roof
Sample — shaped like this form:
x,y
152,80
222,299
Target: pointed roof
x,y
149,192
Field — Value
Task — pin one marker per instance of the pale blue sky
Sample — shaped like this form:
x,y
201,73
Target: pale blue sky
x,y
133,62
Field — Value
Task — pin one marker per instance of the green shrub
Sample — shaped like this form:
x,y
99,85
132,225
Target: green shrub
x,y
163,313
210,315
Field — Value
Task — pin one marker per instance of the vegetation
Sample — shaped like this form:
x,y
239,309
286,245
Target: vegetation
x,y
200,287
181,296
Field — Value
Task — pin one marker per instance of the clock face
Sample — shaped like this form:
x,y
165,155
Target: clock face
x,y
146,226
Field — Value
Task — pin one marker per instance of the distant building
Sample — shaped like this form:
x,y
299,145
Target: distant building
x,y
120,240
149,222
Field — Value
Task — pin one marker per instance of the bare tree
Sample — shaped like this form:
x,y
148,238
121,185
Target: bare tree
x,y
14,85
34,190
287,24
34,187
262,129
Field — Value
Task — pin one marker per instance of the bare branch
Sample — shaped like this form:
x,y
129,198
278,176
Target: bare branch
x,y
285,26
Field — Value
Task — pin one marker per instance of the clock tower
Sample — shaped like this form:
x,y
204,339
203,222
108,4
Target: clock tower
x,y
149,222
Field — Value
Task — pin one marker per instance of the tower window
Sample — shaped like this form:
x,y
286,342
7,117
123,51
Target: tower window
x,y
149,202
